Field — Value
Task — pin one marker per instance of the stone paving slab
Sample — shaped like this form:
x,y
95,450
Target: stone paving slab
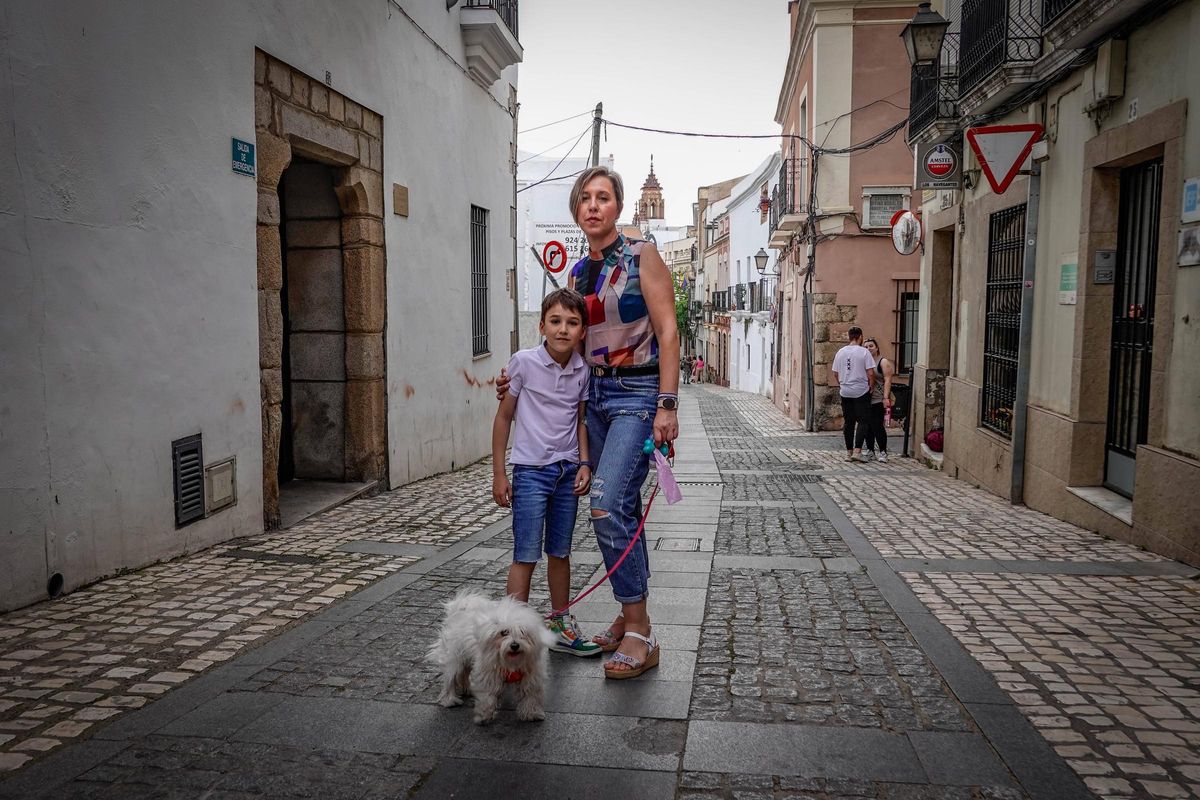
x,y
580,740
467,779
388,548
187,768
807,750
360,726
1027,567
957,759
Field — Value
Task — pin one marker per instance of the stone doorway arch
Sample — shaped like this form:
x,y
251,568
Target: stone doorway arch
x,y
297,115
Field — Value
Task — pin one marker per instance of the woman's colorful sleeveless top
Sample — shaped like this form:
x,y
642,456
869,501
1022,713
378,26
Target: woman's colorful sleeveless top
x,y
619,333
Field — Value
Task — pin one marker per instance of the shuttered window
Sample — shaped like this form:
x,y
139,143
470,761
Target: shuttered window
x,y
187,462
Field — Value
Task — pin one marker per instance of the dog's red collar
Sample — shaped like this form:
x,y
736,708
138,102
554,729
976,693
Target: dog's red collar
x,y
515,676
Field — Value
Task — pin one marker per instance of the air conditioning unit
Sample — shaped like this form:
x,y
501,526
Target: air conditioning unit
x,y
1104,81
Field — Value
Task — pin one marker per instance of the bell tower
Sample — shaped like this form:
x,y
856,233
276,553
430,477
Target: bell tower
x,y
650,205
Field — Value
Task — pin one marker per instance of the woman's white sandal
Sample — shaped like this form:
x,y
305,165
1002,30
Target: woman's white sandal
x,y
608,640
636,666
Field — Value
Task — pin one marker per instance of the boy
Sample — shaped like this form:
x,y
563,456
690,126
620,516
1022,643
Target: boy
x,y
550,468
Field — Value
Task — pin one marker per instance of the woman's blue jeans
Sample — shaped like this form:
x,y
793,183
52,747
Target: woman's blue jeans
x,y
620,417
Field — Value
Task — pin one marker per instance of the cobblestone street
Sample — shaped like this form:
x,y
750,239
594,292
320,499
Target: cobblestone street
x,y
829,630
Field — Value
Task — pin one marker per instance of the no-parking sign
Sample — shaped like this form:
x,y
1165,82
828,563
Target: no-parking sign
x,y
554,256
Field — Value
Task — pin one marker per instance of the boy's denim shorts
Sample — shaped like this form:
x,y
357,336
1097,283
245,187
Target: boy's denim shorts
x,y
544,506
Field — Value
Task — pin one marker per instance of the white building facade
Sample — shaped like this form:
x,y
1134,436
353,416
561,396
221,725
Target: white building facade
x,y
751,329
245,244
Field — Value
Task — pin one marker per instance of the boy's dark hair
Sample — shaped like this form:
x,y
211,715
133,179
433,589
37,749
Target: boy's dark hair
x,y
569,299
855,333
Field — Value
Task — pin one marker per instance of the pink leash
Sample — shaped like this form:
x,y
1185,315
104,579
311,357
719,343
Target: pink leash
x,y
607,575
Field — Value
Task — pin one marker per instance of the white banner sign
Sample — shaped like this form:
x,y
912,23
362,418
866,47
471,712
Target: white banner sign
x,y
567,234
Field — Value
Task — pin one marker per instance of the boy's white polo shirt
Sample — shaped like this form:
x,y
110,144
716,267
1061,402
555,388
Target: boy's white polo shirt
x,y
548,398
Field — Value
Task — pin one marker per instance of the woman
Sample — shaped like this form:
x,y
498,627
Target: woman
x,y
632,349
881,398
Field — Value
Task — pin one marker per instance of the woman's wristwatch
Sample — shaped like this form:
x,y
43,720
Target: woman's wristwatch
x,y
668,402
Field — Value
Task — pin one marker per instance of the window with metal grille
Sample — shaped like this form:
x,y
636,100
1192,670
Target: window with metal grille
x,y
187,463
479,281
908,304
1002,324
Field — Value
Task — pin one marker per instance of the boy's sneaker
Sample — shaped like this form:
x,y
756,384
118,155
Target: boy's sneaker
x,y
569,638
882,457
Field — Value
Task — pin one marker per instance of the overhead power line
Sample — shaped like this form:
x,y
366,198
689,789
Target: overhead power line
x,y
700,135
553,147
549,180
559,164
556,122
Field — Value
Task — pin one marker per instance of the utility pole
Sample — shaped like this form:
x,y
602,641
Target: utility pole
x,y
596,118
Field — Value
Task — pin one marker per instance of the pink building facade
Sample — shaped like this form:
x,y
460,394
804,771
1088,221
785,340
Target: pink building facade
x,y
846,82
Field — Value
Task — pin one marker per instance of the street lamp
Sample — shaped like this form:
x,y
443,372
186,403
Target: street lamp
x,y
923,35
760,261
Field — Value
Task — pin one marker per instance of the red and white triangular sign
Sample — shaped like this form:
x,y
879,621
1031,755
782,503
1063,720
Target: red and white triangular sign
x,y
1002,149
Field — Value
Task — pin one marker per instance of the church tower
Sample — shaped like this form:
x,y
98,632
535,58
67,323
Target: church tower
x,y
650,206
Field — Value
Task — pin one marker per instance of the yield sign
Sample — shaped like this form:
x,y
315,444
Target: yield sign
x,y
1002,149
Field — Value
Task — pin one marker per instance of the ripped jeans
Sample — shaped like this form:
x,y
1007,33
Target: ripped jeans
x,y
620,417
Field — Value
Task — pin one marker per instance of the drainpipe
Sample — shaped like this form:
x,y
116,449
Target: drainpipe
x,y
514,339
1029,268
810,391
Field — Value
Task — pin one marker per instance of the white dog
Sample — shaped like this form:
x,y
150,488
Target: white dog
x,y
485,644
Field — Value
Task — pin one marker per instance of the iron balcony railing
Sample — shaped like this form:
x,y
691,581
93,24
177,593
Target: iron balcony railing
x,y
760,296
1053,9
934,91
507,9
785,197
996,32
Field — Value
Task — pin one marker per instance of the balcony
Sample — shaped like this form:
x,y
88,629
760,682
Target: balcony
x,y
1001,43
1078,23
933,96
787,213
489,29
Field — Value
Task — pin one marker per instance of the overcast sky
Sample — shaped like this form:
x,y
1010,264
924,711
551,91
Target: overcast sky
x,y
694,65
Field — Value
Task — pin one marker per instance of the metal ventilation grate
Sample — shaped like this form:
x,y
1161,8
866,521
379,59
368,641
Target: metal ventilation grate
x,y
187,461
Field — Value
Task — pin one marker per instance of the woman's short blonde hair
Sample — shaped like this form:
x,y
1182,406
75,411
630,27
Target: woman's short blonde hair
x,y
597,172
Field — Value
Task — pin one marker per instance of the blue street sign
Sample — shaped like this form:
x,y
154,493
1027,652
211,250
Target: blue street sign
x,y
243,158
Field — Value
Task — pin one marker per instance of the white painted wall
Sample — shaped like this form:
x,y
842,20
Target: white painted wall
x,y
751,334
129,316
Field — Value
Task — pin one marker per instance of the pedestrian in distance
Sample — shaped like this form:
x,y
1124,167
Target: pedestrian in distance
x,y
689,365
698,370
632,348
547,398
881,401
854,368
